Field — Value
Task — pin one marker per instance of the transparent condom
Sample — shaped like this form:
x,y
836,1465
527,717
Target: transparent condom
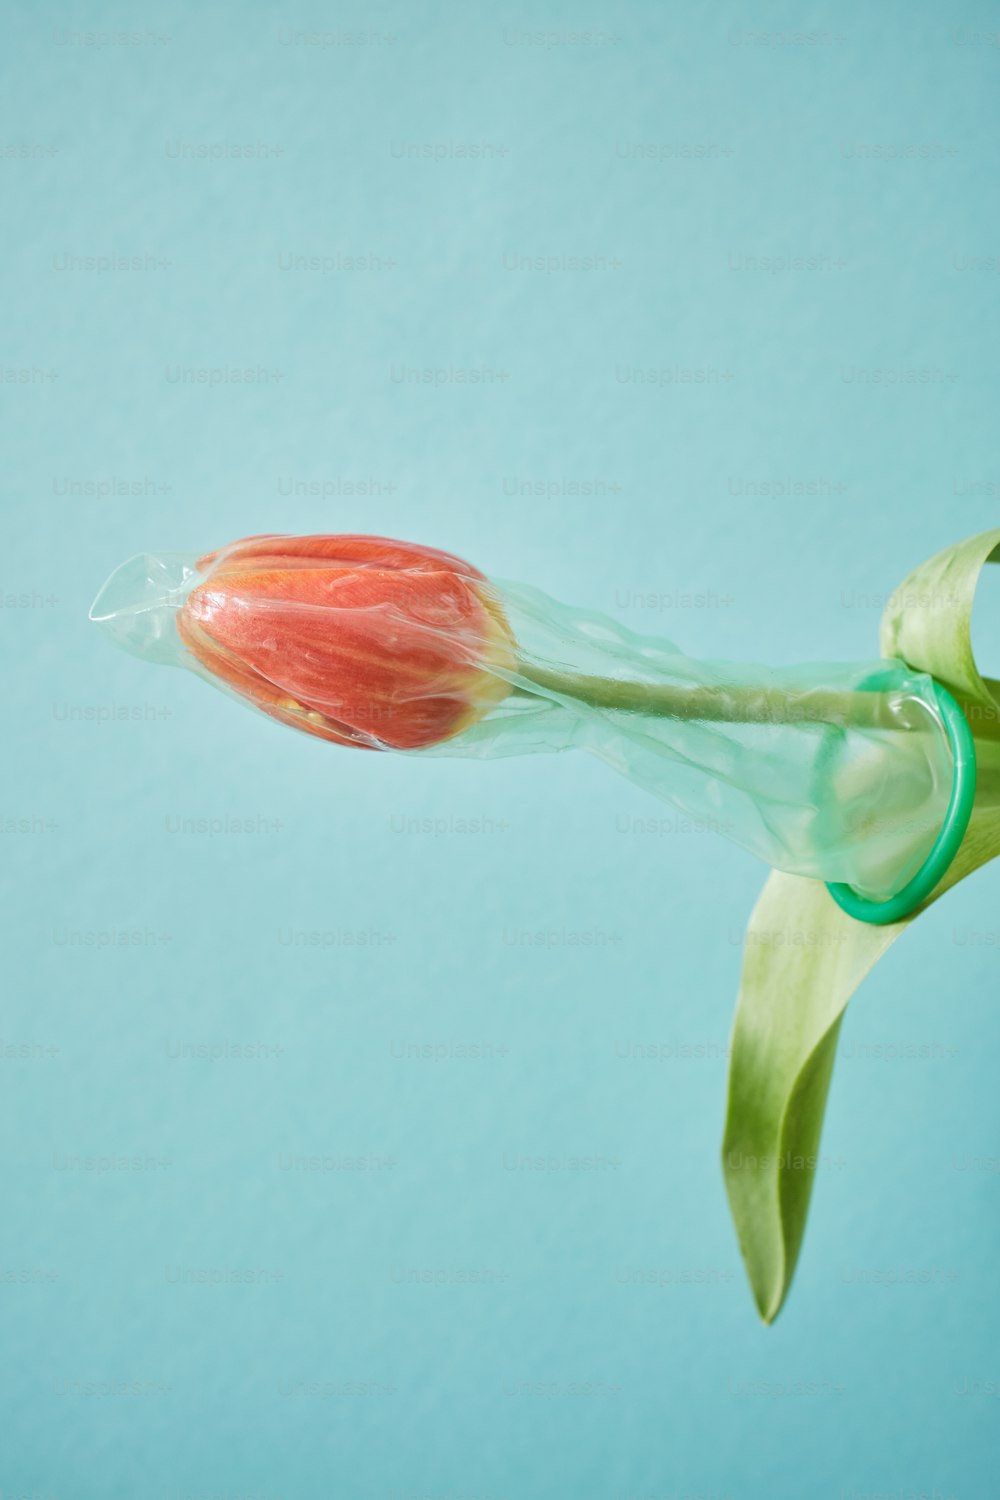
x,y
806,767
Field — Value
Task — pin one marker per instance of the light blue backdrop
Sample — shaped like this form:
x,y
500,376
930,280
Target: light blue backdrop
x,y
695,153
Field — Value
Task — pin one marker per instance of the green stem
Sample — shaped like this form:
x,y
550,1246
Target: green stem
x,y
720,705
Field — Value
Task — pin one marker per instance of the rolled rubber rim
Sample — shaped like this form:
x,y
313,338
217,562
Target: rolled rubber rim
x,y
951,833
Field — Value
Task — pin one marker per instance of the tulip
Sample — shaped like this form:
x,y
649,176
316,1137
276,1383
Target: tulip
x,y
355,639
842,773
391,645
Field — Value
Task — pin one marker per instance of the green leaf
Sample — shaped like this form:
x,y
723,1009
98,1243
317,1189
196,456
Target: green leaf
x,y
805,957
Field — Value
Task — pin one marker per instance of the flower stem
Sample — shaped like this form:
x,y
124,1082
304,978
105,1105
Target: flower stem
x,y
720,705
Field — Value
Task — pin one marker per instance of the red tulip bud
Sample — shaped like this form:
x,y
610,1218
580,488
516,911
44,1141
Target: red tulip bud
x,y
353,638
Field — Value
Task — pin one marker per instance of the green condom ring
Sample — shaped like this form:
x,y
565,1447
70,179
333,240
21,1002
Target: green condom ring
x,y
950,835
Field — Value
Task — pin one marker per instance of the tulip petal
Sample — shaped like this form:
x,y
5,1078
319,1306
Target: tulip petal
x,y
278,551
394,656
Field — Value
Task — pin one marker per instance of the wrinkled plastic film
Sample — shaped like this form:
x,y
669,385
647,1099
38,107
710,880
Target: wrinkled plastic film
x,y
804,766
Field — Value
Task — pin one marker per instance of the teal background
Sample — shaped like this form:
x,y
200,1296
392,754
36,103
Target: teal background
x,y
530,1363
